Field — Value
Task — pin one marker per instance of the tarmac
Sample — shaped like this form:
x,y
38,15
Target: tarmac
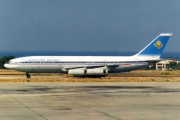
x,y
90,101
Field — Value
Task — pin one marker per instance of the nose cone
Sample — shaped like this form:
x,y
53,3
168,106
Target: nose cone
x,y
6,65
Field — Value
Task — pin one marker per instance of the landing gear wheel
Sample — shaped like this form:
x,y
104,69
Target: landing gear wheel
x,y
28,75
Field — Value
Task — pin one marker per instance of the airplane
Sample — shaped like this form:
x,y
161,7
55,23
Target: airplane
x,y
91,65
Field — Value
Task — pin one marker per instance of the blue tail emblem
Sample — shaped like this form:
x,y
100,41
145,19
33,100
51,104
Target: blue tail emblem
x,y
156,47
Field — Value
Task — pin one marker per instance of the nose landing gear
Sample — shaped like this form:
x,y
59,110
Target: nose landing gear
x,y
28,75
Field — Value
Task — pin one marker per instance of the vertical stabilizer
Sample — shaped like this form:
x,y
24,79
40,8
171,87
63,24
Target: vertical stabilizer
x,y
156,47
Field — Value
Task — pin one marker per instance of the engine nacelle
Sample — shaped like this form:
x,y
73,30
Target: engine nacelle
x,y
96,72
88,72
76,72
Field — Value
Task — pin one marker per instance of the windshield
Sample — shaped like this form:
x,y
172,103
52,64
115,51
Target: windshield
x,y
9,62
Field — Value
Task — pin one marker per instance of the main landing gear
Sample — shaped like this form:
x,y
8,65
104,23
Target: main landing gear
x,y
28,75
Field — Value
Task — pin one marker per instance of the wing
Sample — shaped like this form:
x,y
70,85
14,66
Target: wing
x,y
85,67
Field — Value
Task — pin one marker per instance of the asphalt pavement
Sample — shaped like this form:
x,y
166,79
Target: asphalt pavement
x,y
90,101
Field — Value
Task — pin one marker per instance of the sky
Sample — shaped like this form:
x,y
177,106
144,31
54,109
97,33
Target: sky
x,y
87,25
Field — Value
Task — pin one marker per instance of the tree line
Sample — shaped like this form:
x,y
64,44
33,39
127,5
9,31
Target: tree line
x,y
4,60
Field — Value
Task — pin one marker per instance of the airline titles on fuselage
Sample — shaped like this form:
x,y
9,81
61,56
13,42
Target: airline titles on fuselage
x,y
42,60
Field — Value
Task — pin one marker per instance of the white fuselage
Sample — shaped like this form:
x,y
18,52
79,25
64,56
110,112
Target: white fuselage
x,y
62,64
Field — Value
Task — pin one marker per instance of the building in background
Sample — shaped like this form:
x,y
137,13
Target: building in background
x,y
170,63
163,65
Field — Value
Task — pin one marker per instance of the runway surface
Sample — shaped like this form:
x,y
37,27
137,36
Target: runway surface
x,y
90,101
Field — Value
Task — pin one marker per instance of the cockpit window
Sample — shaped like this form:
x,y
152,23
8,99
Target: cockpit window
x,y
9,62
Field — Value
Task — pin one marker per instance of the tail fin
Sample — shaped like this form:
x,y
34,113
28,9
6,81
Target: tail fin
x,y
156,47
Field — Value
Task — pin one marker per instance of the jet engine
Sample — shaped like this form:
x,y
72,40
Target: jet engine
x,y
82,72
